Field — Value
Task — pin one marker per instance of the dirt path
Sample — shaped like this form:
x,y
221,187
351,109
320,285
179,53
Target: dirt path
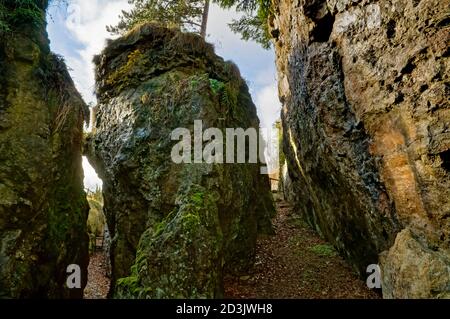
x,y
296,263
98,283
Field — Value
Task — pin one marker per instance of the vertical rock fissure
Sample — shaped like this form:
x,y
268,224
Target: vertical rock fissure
x,y
99,269
445,158
323,28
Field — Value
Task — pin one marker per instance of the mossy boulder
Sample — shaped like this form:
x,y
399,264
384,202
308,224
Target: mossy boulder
x,y
43,207
178,258
176,228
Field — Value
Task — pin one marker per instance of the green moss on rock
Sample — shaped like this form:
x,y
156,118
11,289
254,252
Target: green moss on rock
x,y
188,247
43,213
176,228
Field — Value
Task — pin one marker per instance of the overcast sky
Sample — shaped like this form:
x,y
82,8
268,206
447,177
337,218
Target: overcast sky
x,y
78,32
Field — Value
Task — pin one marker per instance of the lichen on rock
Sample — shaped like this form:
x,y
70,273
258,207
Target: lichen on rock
x,y
180,256
43,207
364,86
176,228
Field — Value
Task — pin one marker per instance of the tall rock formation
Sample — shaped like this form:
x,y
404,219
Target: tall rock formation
x,y
366,114
176,228
43,208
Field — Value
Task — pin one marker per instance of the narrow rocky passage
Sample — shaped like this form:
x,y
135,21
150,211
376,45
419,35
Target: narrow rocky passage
x,y
98,282
297,263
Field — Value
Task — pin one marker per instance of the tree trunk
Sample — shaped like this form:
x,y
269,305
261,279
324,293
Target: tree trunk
x,y
205,19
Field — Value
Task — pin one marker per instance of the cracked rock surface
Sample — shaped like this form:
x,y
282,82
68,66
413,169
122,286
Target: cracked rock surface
x,y
366,117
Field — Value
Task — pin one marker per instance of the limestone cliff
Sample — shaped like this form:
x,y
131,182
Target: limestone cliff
x,y
366,116
176,228
43,208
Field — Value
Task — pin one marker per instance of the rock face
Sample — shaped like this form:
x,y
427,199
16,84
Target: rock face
x,y
413,270
366,118
176,228
43,207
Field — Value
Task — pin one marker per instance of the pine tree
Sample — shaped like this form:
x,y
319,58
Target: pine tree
x,y
192,16
204,19
253,25
188,15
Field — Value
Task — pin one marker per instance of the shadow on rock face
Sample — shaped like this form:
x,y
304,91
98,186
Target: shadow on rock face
x,y
176,228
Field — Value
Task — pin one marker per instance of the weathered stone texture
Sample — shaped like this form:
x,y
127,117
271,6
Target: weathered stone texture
x,y
43,207
176,228
366,116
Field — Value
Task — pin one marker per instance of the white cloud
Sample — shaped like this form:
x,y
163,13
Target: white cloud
x,y
86,21
256,64
80,33
91,180
266,76
248,55
268,105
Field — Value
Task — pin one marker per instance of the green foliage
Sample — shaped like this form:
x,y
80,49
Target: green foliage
x,y
96,195
96,219
159,228
17,12
226,92
229,96
188,14
183,14
187,219
324,250
129,287
253,25
216,86
198,198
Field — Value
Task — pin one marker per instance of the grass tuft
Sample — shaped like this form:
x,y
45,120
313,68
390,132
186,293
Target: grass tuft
x,y
324,250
